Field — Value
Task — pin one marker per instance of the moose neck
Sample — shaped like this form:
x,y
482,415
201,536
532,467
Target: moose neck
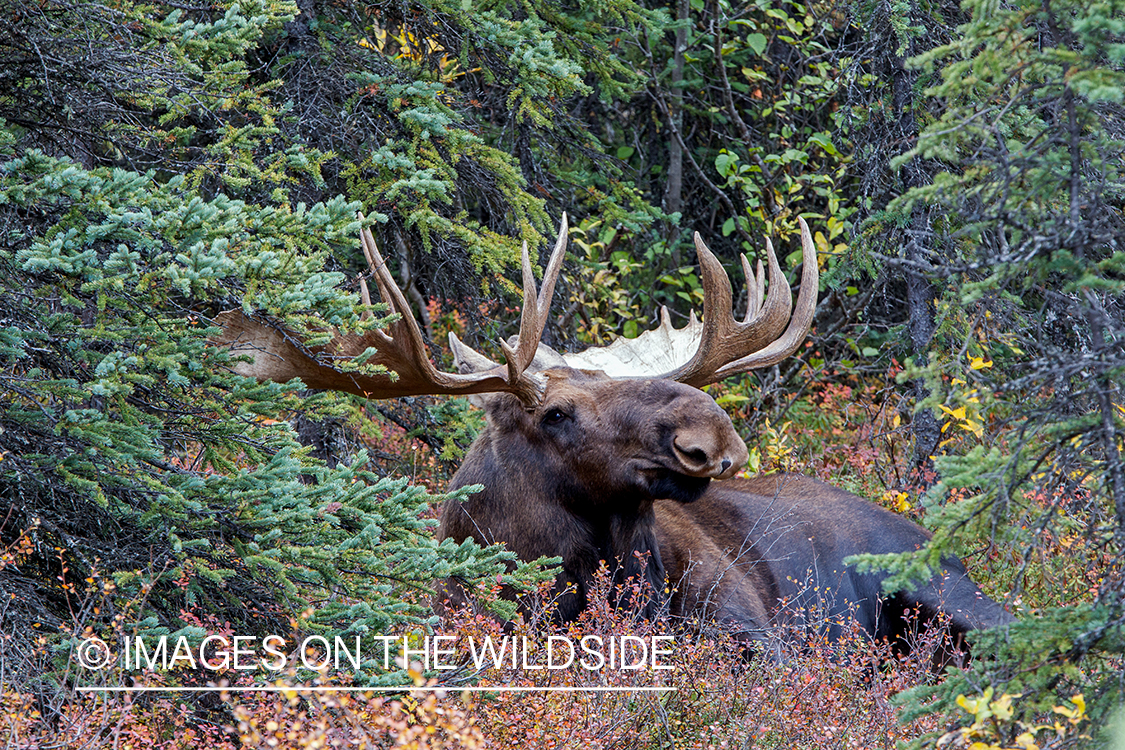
x,y
621,535
538,514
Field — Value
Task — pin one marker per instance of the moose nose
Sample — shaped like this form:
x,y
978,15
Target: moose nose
x,y
702,457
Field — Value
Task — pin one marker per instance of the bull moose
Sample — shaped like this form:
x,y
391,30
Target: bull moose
x,y
613,455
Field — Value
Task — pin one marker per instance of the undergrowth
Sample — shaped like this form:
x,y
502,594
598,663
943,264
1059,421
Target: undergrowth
x,y
799,691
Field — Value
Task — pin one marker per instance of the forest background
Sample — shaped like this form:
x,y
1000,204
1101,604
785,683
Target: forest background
x,y
960,164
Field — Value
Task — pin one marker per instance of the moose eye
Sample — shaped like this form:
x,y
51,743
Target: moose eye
x,y
554,416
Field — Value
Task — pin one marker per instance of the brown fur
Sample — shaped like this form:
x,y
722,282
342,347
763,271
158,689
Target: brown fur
x,y
619,471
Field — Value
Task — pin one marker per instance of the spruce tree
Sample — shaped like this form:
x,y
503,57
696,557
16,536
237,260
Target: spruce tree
x,y
147,182
1024,148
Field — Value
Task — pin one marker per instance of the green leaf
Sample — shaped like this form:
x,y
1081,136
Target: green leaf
x,y
825,142
757,42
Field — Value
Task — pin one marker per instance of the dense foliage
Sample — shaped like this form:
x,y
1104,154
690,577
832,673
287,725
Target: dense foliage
x,y
961,165
1014,216
147,489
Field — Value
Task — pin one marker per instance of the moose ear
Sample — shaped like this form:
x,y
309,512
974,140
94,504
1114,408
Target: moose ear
x,y
468,361
482,400
546,358
465,359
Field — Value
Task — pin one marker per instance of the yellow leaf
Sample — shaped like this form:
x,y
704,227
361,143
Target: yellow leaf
x,y
1074,714
958,413
979,363
1002,707
821,243
978,707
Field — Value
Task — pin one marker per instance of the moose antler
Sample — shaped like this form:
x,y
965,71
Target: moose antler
x,y
276,354
697,354
720,346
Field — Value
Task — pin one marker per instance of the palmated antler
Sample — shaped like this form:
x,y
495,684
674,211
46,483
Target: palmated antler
x,y
720,346
278,355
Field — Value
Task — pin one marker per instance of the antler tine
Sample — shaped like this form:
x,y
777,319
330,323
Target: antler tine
x,y
779,300
754,291
761,287
403,328
365,298
401,346
723,338
799,324
536,306
404,350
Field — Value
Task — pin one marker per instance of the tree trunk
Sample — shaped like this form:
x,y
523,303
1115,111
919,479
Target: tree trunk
x,y
920,291
673,190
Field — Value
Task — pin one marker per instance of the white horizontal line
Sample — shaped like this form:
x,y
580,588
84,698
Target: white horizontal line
x,y
391,689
